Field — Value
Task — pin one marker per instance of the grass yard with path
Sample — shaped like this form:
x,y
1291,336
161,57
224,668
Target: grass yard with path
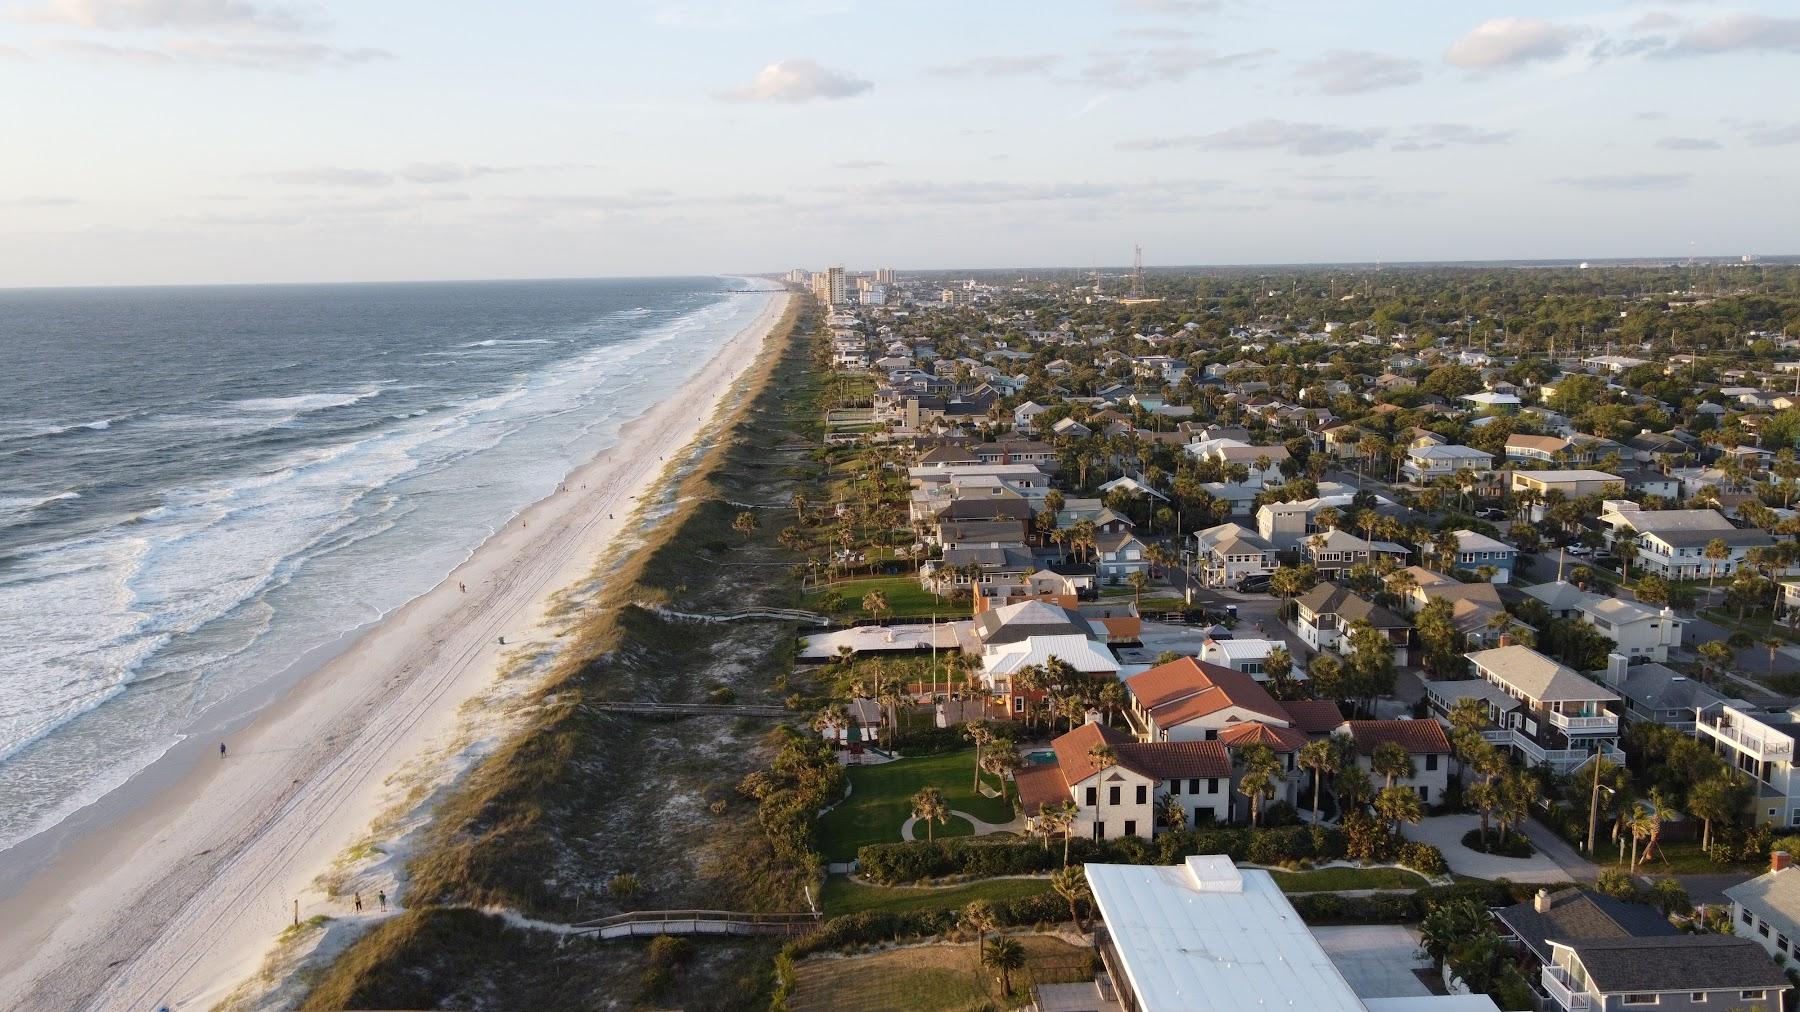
x,y
906,598
939,977
843,896
880,802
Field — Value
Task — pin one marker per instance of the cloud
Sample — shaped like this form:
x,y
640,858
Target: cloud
x,y
38,201
1627,181
1688,144
1767,135
1353,71
1132,69
861,163
330,176
1360,193
1309,139
1739,33
450,172
799,80
1508,42
214,53
1166,8
1432,136
210,15
997,66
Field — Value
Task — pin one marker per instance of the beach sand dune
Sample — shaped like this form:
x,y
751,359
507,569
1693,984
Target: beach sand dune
x,y
178,896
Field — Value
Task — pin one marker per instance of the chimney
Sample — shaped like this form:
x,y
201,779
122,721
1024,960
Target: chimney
x,y
1541,902
1616,666
1779,860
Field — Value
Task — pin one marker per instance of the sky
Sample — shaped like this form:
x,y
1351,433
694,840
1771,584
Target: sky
x,y
199,141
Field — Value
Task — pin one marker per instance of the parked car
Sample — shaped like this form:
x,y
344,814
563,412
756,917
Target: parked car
x,y
1254,585
1490,514
1579,549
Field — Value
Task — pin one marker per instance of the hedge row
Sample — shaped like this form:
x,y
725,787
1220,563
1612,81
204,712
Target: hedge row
x,y
903,863
1399,908
869,927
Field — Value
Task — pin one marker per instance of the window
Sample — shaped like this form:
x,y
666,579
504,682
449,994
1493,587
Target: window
x,y
1175,787
1140,798
1194,785
1112,795
1781,941
1130,827
1641,999
1212,785
1697,998
1431,763
1018,704
1099,830
1763,929
1746,917
1751,995
1093,798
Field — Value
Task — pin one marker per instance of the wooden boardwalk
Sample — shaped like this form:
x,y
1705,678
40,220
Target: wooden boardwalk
x,y
649,923
692,709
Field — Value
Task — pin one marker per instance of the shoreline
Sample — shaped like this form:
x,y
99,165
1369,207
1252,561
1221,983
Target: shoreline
x,y
174,887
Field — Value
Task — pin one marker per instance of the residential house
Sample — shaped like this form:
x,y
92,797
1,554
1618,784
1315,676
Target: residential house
x,y
1333,551
1327,612
1069,428
1473,606
1639,631
1570,914
1423,740
1286,524
1191,700
1491,401
1478,551
1543,712
1245,655
1700,972
1761,746
1125,796
1232,451
1672,543
1228,553
1025,416
1426,463
1118,556
1766,909
1657,694
1573,484
1560,450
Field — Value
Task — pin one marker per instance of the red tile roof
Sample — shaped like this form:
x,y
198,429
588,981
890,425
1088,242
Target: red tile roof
x,y
1281,739
1186,688
1172,760
1072,749
1314,716
1039,785
1418,737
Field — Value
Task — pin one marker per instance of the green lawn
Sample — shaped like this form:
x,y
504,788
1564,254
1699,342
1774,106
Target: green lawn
x,y
1686,859
944,978
1330,880
842,896
881,800
906,597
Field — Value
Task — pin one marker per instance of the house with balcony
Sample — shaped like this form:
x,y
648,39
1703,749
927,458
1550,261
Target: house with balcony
x,y
1192,700
1431,461
1766,909
1568,915
1228,553
1326,613
1332,551
1672,543
1699,972
1762,747
1542,712
1475,551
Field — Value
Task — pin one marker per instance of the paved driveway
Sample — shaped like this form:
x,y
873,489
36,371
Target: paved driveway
x,y
1446,833
1377,959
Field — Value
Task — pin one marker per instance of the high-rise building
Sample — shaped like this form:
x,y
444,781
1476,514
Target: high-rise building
x,y
885,276
799,276
837,295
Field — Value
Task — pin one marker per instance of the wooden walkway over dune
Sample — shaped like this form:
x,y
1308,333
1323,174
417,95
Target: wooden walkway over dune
x,y
692,709
649,923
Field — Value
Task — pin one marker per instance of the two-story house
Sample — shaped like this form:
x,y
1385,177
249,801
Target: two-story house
x,y
1477,551
1327,612
1657,694
1698,972
1119,555
1543,712
1245,655
1124,796
1228,553
1191,700
1332,551
1431,461
1672,543
1762,747
1423,740
1766,909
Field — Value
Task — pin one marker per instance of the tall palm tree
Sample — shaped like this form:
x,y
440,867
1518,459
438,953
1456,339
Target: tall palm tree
x,y
981,733
1320,757
1399,805
1641,824
1103,756
1261,767
831,721
1071,885
929,807
1004,955
1391,760
1172,814
980,917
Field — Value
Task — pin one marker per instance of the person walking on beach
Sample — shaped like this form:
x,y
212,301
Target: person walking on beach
x,y
382,895
221,750
359,903
462,586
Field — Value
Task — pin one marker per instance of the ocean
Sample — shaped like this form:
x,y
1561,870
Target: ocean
x,y
199,487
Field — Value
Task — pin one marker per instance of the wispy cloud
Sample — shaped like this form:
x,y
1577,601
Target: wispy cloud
x,y
1738,33
1132,69
1511,42
55,200
1628,181
1167,8
1309,139
1432,136
799,80
1688,144
1769,135
224,53
1353,71
997,66
421,173
861,163
192,15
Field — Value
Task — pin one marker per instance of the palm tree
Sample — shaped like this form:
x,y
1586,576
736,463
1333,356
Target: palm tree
x,y
1138,580
1641,824
980,917
1773,645
1000,762
1063,816
1399,805
1103,756
1322,758
745,523
1626,549
1172,814
929,807
981,733
1114,697
1391,760
831,721
890,697
1715,552
1261,767
875,602
1004,955
1279,666
1071,885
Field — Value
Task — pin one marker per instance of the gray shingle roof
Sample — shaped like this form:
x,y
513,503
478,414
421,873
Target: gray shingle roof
x,y
1579,914
1678,963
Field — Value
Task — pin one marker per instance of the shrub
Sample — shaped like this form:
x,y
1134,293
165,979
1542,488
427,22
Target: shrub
x,y
1423,858
901,863
1279,814
1516,845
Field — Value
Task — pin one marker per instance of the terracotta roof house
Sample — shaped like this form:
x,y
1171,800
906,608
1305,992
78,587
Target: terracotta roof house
x,y
1190,700
1317,717
1423,740
1125,797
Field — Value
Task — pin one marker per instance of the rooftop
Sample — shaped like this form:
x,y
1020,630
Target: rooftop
x,y
1538,676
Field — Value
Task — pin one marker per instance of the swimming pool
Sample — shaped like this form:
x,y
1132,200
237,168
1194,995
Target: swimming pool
x,y
1042,755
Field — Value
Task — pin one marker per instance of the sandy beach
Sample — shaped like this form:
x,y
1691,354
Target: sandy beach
x,y
173,889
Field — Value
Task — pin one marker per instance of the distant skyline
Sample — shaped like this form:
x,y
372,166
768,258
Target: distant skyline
x,y
194,141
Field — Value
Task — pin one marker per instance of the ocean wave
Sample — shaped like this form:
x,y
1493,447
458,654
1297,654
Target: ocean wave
x,y
300,404
17,508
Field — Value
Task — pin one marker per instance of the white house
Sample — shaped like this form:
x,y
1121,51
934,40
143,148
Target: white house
x,y
1191,700
1228,553
1424,463
1125,797
1246,656
1766,909
1762,747
1423,740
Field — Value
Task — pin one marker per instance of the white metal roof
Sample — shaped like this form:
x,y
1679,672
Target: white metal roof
x,y
1081,653
1207,935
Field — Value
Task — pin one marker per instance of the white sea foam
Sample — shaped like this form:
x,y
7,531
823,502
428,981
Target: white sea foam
x,y
141,627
